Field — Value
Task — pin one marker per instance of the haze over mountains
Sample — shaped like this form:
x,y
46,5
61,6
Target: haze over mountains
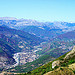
x,y
47,30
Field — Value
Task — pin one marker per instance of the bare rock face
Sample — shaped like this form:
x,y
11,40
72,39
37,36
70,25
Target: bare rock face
x,y
70,54
55,63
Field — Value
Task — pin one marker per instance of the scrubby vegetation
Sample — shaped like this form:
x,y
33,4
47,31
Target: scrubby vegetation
x,y
62,69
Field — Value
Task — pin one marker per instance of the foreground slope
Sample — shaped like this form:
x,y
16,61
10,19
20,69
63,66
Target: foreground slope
x,y
65,67
61,71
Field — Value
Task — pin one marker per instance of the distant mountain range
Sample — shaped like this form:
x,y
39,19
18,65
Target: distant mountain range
x,y
47,30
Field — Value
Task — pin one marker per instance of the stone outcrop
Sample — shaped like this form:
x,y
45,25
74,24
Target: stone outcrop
x,y
70,55
55,63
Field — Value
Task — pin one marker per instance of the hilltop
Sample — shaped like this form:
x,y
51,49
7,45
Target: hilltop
x,y
66,65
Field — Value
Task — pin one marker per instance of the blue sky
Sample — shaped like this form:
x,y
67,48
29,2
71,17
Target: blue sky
x,y
40,10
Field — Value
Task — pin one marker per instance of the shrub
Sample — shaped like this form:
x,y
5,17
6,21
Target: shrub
x,y
74,71
61,68
56,67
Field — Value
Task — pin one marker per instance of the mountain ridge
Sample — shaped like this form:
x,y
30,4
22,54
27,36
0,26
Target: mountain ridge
x,y
44,27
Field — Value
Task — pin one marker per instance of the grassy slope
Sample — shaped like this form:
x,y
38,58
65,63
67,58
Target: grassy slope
x,y
45,68
56,71
61,71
